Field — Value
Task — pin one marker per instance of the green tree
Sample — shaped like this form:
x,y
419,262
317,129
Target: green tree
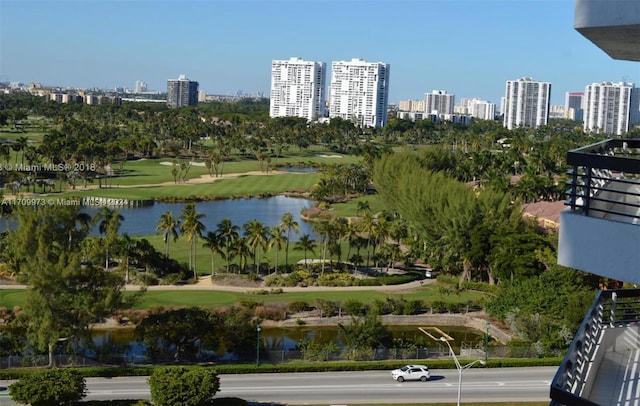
x,y
49,388
228,233
290,224
176,334
183,386
213,241
109,224
257,236
305,244
64,297
278,240
168,226
192,228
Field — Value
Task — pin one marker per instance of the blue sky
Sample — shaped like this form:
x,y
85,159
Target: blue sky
x,y
469,48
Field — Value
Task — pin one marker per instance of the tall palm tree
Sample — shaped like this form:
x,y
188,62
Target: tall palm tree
x,y
323,230
126,245
242,250
168,226
367,226
192,228
110,222
228,233
214,242
278,239
257,235
290,224
305,244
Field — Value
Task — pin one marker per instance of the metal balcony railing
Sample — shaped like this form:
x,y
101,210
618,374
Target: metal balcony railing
x,y
605,180
616,308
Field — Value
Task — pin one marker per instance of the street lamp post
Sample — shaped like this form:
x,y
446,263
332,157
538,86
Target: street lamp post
x,y
258,328
486,344
460,367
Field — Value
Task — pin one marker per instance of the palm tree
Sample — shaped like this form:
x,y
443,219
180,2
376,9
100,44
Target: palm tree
x,y
110,222
257,235
228,233
367,226
242,250
278,239
214,242
288,223
126,245
168,226
192,228
323,230
305,243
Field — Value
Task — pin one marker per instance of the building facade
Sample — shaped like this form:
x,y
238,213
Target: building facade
x,y
608,107
573,105
182,92
476,108
526,103
360,92
298,89
438,103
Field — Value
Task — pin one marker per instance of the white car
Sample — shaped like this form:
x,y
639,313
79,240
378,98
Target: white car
x,y
411,373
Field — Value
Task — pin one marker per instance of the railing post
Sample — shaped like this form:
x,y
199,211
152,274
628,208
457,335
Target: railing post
x,y
612,312
587,192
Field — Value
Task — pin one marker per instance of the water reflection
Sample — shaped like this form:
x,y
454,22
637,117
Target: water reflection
x,y
140,221
122,342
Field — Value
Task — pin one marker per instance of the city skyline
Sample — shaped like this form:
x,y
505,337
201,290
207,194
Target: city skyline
x,y
468,48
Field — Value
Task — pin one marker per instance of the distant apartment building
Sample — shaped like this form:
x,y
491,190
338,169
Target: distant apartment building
x,y
611,108
526,103
476,108
298,89
182,92
359,92
557,111
412,106
573,105
438,103
140,87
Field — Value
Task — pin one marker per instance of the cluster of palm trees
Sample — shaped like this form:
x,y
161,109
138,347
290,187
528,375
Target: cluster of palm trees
x,y
229,240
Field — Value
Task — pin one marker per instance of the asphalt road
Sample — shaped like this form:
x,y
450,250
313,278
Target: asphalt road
x,y
478,385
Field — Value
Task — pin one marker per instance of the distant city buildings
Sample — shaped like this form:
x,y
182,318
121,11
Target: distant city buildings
x,y
438,103
412,106
298,89
182,92
573,105
140,87
360,92
610,108
526,103
476,108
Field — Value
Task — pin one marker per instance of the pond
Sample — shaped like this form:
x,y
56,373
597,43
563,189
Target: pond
x,y
139,221
121,342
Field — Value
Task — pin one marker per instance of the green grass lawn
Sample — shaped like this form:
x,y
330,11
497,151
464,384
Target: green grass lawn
x,y
216,298
244,186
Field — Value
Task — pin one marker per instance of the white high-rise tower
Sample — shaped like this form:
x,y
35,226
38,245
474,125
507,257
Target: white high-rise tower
x,y
526,103
360,92
297,89
609,107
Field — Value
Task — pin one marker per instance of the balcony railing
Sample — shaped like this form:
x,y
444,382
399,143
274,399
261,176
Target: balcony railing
x,y
605,180
616,308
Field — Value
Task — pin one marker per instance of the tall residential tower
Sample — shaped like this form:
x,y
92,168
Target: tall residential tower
x,y
182,92
360,92
297,89
609,108
438,102
526,103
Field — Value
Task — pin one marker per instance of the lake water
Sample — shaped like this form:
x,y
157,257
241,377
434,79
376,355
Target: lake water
x,y
140,221
285,339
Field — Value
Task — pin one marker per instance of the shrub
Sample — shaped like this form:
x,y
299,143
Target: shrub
x,y
299,306
354,307
183,386
49,388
